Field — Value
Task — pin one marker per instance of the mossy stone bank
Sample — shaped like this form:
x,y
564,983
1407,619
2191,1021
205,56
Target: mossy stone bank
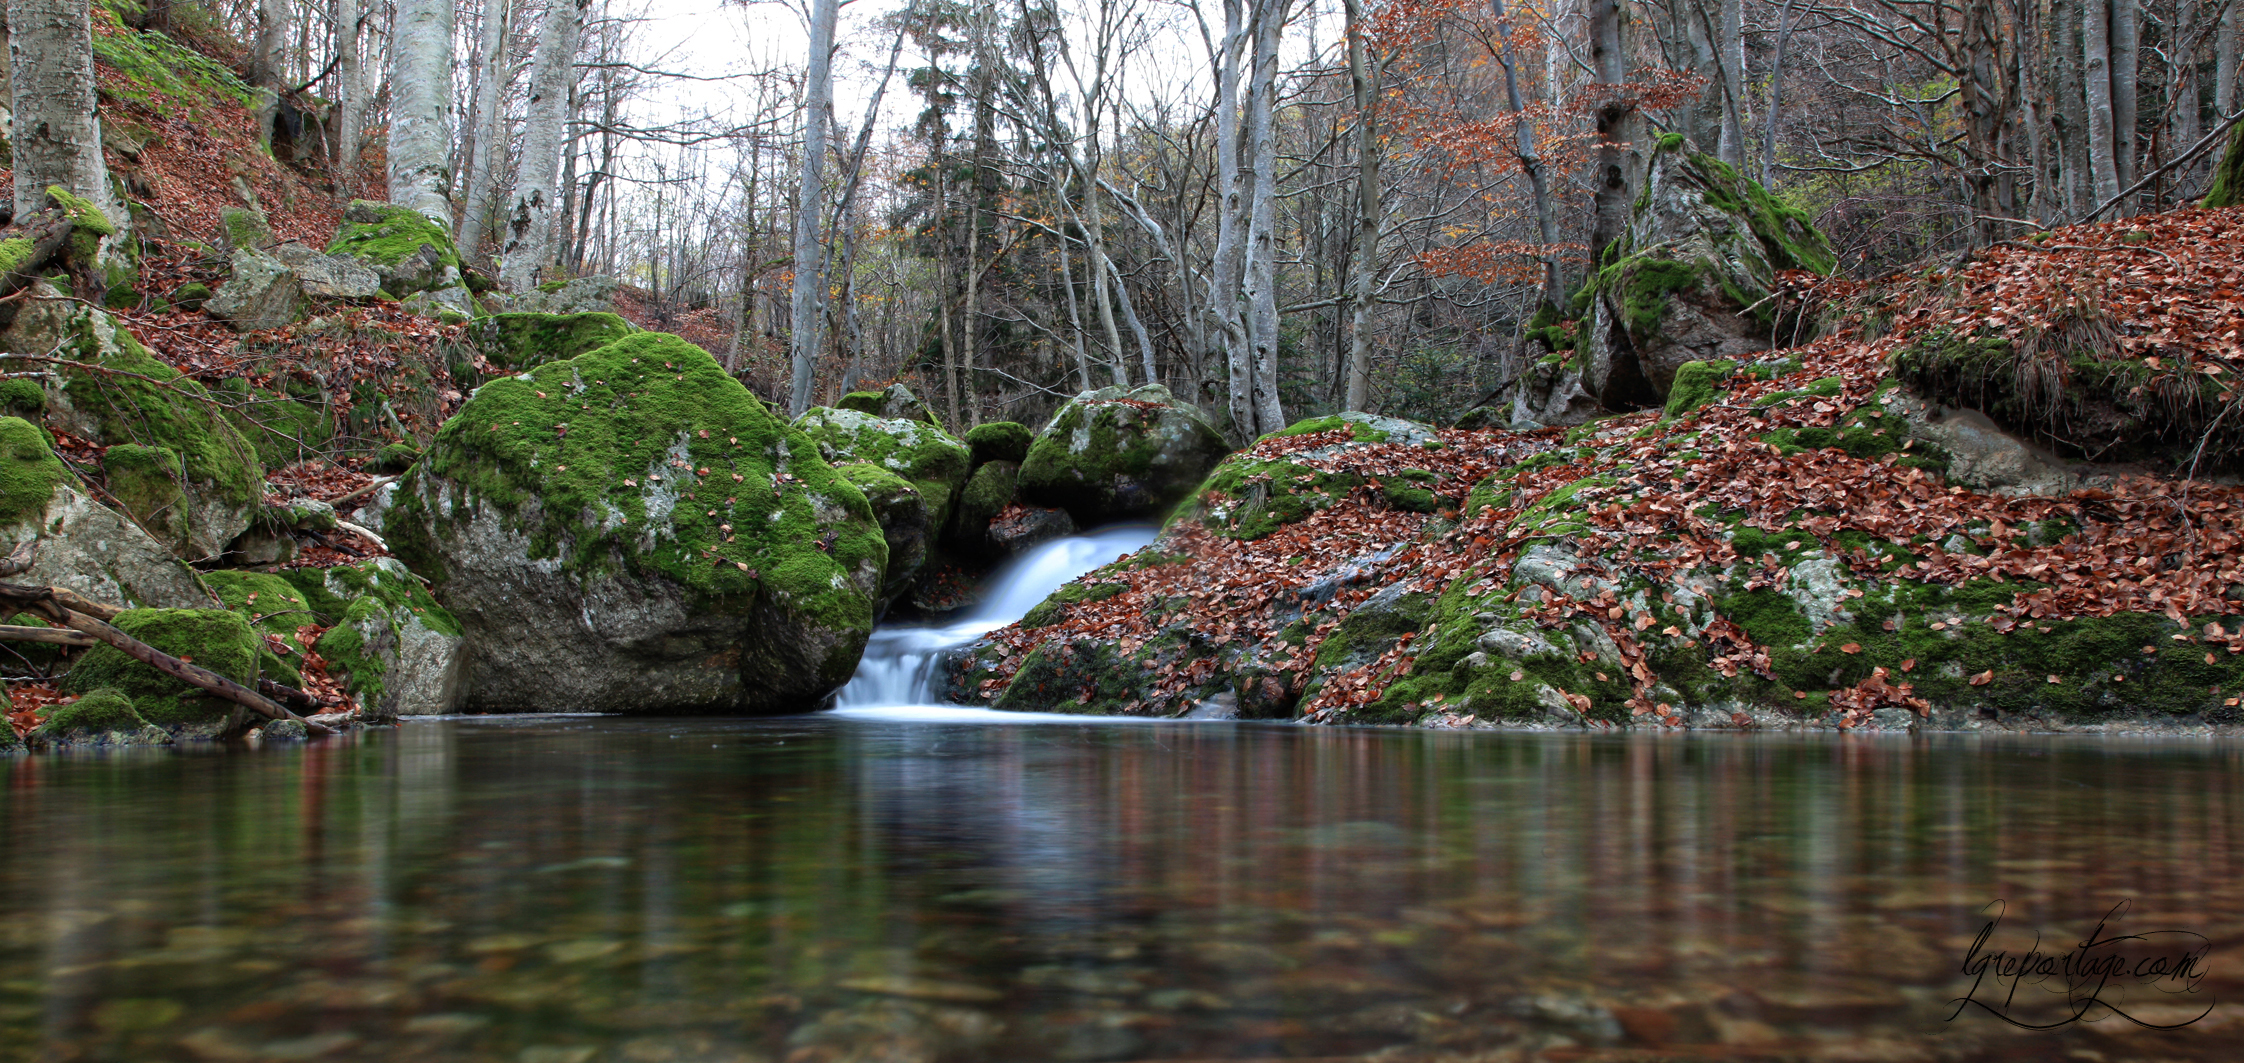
x,y
1111,455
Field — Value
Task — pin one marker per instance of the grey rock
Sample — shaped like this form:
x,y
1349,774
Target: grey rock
x,y
329,276
1983,456
1029,527
584,295
284,731
1550,392
406,654
92,549
262,293
437,302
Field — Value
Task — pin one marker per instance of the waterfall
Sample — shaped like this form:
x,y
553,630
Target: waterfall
x,y
898,668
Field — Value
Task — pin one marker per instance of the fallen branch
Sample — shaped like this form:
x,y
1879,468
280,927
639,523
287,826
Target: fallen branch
x,y
362,492
47,604
53,636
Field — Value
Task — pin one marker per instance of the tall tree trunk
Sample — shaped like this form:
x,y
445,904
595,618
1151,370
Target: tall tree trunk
x,y
984,199
943,272
2096,50
2126,56
1611,182
810,273
1731,147
1262,231
1094,229
57,138
2068,21
751,251
1530,157
268,52
1074,309
1226,270
490,120
529,217
2224,63
1363,83
350,96
421,109
1776,96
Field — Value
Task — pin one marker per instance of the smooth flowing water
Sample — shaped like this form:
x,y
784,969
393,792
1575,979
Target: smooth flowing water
x,y
827,888
898,668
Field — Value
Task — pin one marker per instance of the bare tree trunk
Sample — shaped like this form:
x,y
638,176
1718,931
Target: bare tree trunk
x,y
2126,55
1094,228
810,273
1229,261
1776,96
57,138
529,218
1530,158
420,176
1074,311
350,96
1611,182
2224,64
1262,231
1731,45
1363,82
2068,21
267,52
2096,71
490,119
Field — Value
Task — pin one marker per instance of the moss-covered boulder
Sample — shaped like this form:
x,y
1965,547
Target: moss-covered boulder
x,y
1690,280
512,342
275,609
150,485
244,227
2228,176
389,643
894,402
902,513
999,441
83,545
121,394
217,639
917,450
631,531
580,295
408,251
101,718
1111,455
327,276
987,494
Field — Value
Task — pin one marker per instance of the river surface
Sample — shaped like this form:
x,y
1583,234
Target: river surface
x,y
892,887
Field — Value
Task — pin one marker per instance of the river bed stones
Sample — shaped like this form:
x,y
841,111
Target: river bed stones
x,y
631,531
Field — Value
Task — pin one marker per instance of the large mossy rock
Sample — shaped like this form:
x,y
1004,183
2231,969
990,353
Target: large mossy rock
x,y
1690,280
217,639
389,643
101,719
329,276
917,450
999,441
894,402
512,342
987,494
1111,455
275,609
122,394
902,513
409,252
631,531
83,545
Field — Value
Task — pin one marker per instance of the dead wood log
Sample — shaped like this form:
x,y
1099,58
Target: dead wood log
x,y
53,636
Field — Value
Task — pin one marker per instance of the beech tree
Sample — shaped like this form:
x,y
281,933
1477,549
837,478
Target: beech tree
x,y
420,140
810,274
529,219
56,135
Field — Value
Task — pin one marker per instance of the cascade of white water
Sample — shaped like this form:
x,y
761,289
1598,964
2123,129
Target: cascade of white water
x,y
898,668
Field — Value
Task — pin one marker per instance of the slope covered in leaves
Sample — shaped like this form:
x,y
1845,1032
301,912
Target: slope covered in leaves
x,y
1789,549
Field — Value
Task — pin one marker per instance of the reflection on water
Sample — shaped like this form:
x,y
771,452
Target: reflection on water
x,y
817,890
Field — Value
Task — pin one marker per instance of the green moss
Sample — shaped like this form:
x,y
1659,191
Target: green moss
x,y
15,253
1696,384
165,75
82,212
918,451
245,228
999,441
150,403
513,342
284,428
610,446
394,458
1551,328
987,492
1357,430
99,715
1787,235
274,608
1054,609
1246,498
29,471
217,639
191,295
1671,142
22,398
1641,287
2228,176
397,234
150,484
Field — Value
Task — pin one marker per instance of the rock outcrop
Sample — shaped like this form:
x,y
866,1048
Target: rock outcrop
x,y
1110,455
117,393
631,531
389,643
83,545
262,293
915,449
410,253
584,295
329,276
1690,280
901,510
